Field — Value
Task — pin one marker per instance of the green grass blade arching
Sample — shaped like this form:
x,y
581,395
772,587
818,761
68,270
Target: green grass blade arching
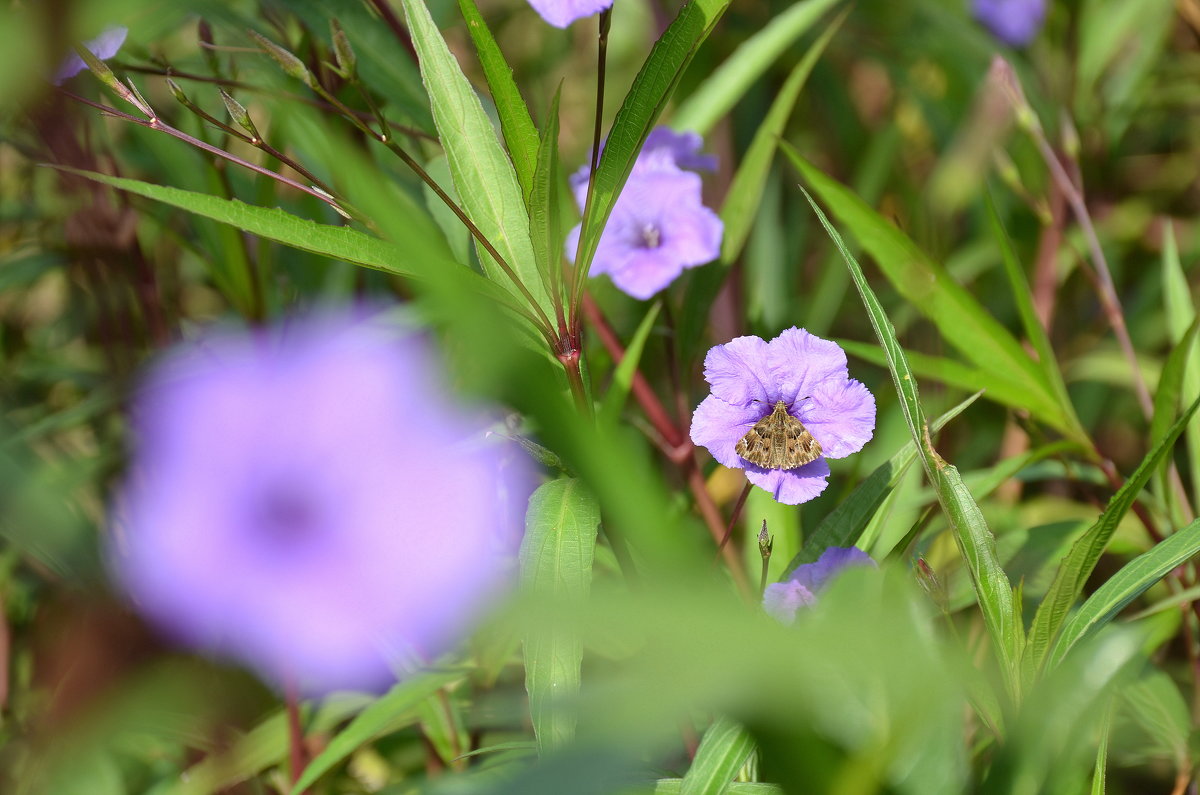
x,y
1133,579
730,81
649,94
1075,569
746,190
556,565
484,176
724,749
976,542
622,382
962,320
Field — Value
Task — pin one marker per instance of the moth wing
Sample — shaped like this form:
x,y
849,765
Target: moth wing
x,y
755,446
801,448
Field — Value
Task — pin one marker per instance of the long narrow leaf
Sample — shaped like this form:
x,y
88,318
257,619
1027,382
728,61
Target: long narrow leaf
x,y
516,124
485,178
556,565
614,400
746,190
976,542
725,748
1075,569
1134,579
729,82
962,320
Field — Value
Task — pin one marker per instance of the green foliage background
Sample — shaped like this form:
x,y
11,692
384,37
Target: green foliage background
x,y
882,183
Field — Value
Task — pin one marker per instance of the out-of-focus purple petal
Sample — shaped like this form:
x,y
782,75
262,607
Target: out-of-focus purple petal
x,y
283,509
739,372
561,13
718,425
665,147
841,416
1014,22
104,46
815,576
790,486
782,599
799,361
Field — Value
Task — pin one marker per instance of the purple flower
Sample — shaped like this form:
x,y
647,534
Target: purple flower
x,y
311,502
808,374
561,13
104,46
1014,22
783,599
659,225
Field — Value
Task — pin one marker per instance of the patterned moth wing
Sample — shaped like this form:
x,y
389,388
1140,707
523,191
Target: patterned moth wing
x,y
778,441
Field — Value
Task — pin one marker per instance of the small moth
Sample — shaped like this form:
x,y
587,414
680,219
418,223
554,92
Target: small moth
x,y
778,441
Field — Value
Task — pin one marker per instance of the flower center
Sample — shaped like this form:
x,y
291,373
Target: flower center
x,y
651,237
282,515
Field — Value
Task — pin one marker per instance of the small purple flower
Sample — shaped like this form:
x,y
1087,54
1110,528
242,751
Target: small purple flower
x,y
783,599
104,46
561,13
659,225
311,502
749,376
1014,22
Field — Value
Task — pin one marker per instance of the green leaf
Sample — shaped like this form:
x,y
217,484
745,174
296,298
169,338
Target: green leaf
x,y
674,786
975,540
1100,769
1181,313
1075,569
381,716
556,565
542,200
845,523
725,748
483,174
618,392
1034,331
651,89
1170,383
1133,580
520,136
962,320
746,191
717,95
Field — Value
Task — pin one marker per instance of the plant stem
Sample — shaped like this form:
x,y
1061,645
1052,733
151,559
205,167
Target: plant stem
x,y
733,517
296,753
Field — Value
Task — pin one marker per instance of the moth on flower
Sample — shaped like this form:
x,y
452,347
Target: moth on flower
x,y
779,409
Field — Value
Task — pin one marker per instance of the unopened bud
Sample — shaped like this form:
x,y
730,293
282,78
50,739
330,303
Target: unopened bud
x,y
929,581
342,50
765,542
1070,137
207,44
177,92
238,112
291,65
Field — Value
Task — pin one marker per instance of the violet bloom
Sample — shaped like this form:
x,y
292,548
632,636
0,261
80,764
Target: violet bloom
x,y
808,374
783,599
561,13
311,502
104,46
1014,22
659,225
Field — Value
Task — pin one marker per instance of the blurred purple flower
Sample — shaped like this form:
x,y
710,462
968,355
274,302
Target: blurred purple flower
x,y
748,376
310,501
659,225
561,13
104,46
783,599
1014,22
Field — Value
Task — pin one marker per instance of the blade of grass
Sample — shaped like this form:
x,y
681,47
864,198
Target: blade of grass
x,y
725,748
976,542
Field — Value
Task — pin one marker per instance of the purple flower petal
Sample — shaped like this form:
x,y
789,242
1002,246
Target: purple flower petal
x,y
104,46
790,486
718,426
739,373
665,147
782,599
561,13
1014,22
841,416
798,362
283,509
